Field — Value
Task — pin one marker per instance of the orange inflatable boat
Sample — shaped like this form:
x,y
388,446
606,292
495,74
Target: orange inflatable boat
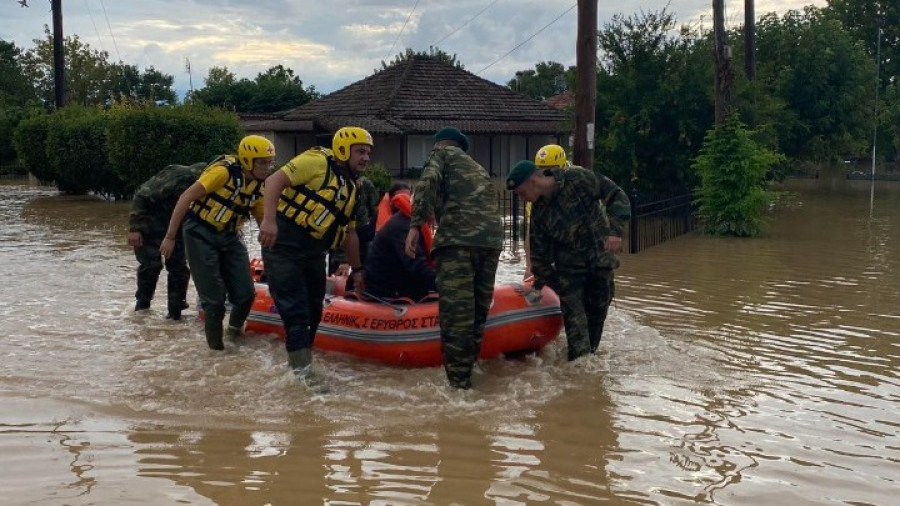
x,y
408,334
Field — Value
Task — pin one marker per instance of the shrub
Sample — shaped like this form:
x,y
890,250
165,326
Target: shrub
x,y
10,117
380,177
413,173
732,196
76,148
30,140
143,138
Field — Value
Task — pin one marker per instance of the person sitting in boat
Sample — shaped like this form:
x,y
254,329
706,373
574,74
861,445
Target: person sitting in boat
x,y
390,273
385,208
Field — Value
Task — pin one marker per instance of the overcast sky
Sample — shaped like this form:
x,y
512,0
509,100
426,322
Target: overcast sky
x,y
332,43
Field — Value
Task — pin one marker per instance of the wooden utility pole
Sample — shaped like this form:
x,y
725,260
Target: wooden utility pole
x,y
59,60
586,90
750,39
724,75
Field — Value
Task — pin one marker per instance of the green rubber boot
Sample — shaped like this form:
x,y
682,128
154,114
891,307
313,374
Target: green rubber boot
x,y
301,363
233,334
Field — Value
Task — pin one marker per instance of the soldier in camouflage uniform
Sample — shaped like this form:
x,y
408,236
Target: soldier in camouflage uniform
x,y
577,222
151,208
366,212
458,193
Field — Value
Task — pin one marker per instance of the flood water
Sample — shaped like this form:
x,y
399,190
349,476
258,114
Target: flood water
x,y
733,372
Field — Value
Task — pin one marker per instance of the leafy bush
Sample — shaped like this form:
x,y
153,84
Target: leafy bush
x,y
380,177
76,148
10,117
143,139
732,195
413,173
30,139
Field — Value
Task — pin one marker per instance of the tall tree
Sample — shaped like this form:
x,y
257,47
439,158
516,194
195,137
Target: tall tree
x,y
276,89
862,19
150,85
545,80
18,98
825,79
15,87
90,77
654,103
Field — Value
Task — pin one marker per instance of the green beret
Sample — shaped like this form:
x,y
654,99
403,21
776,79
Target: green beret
x,y
452,134
519,173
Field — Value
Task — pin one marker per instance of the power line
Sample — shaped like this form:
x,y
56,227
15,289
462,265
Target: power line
x,y
391,50
90,15
460,27
535,34
110,30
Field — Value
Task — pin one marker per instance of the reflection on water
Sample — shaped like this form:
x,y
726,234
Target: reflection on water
x,y
759,371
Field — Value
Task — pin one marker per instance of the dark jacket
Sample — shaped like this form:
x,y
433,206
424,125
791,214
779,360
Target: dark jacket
x,y
389,271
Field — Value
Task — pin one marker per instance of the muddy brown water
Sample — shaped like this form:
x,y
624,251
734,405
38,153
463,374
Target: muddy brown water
x,y
733,372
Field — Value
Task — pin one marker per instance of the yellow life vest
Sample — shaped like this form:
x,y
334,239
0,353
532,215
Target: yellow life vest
x,y
325,211
227,208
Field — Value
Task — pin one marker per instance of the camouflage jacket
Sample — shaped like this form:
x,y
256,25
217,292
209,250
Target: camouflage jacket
x,y
366,212
366,203
568,227
153,202
460,195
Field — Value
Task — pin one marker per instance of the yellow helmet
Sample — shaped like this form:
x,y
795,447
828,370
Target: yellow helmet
x,y
347,137
551,155
253,147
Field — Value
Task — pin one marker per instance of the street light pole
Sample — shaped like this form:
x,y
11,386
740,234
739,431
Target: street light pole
x,y
877,89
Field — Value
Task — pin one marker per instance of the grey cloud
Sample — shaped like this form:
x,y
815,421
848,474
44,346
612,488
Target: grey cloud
x,y
192,28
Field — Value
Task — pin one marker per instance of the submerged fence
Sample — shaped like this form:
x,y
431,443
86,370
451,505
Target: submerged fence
x,y
651,223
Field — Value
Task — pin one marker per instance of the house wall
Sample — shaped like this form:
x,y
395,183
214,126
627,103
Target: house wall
x,y
497,153
509,149
388,152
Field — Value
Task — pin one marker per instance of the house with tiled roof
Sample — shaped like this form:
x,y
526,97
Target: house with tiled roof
x,y
402,106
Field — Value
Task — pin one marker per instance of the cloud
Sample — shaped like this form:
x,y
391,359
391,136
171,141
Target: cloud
x,y
331,44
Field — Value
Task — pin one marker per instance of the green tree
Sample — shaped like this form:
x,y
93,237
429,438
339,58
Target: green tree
x,y
90,77
433,53
861,19
18,98
544,81
151,85
15,87
825,80
888,143
276,89
654,103
732,195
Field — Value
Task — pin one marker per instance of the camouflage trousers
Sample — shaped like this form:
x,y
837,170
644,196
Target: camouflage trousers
x,y
465,281
584,297
150,264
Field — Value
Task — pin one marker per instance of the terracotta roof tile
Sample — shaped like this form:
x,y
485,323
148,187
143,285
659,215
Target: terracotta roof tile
x,y
421,95
561,101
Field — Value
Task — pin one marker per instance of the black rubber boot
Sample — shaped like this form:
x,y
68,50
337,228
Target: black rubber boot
x,y
141,305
